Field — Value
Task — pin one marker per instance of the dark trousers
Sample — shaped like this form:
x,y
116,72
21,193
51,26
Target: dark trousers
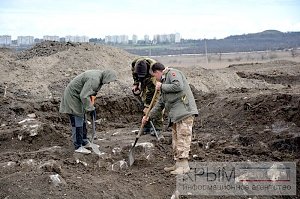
x,y
79,131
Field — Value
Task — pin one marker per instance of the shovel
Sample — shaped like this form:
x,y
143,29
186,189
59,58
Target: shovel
x,y
94,147
155,132
130,157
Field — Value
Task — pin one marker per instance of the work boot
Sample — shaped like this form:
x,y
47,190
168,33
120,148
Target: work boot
x,y
182,167
83,150
171,168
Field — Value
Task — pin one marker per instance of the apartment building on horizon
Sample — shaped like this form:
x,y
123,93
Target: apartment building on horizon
x,y
5,40
25,40
117,39
75,39
50,38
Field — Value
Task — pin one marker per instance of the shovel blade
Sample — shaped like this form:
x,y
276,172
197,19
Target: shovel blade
x,y
95,148
130,157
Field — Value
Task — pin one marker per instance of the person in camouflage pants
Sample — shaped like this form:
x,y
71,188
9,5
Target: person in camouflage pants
x,y
178,100
144,86
182,137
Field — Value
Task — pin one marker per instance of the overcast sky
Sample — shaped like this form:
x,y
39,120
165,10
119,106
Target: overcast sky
x,y
191,18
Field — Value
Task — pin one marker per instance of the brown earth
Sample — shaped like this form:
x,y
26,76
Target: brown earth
x,y
248,112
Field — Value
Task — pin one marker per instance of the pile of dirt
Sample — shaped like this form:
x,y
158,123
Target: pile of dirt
x,y
44,71
247,113
43,49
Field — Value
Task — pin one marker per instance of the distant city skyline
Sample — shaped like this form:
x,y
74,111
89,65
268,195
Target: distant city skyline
x,y
130,37
7,40
193,19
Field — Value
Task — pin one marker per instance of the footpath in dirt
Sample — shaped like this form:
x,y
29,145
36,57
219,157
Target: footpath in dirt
x,y
248,112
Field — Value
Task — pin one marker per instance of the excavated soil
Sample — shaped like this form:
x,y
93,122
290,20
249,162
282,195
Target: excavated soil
x,y
248,112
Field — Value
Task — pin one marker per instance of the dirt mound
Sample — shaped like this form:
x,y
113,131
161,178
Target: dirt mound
x,y
54,64
247,112
46,48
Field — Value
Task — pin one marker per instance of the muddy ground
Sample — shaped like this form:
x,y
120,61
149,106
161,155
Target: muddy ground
x,y
248,112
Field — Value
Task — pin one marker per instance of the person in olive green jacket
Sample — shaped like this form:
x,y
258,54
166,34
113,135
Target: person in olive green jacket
x,y
78,99
178,100
144,86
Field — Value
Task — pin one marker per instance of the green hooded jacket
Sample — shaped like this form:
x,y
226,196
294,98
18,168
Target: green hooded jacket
x,y
76,99
176,97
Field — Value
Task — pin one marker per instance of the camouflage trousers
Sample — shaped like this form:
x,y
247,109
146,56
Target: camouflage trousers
x,y
182,137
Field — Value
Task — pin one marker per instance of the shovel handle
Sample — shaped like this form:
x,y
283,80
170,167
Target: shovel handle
x,y
147,112
131,158
94,128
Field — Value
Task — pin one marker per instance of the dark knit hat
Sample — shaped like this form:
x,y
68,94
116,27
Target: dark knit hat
x,y
141,68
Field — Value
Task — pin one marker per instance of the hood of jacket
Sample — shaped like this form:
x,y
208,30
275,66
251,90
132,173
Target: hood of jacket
x,y
108,76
